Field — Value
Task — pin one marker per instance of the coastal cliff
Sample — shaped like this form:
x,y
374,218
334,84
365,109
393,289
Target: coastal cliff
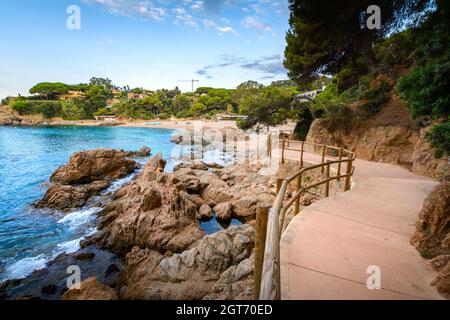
x,y
389,137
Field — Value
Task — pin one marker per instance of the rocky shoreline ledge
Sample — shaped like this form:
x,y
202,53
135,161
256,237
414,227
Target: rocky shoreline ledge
x,y
149,243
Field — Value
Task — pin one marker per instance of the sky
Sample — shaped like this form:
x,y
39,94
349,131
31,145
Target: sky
x,y
152,44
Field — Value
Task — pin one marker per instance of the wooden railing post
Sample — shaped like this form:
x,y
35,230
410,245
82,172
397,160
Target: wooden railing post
x,y
324,149
348,179
192,147
269,145
327,184
247,149
341,153
297,201
279,184
302,154
235,148
257,148
262,216
271,279
282,151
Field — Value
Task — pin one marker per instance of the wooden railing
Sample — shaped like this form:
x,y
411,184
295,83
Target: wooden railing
x,y
268,278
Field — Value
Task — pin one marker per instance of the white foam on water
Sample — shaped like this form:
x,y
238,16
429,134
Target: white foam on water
x,y
118,184
25,267
68,247
79,218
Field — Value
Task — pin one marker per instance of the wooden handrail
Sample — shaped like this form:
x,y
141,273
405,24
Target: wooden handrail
x,y
270,287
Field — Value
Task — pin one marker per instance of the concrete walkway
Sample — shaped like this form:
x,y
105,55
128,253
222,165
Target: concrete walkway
x,y
327,249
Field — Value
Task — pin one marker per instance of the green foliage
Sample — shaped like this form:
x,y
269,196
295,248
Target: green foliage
x,y
395,50
439,137
48,90
104,112
427,87
48,109
105,83
269,106
331,103
375,98
73,110
326,35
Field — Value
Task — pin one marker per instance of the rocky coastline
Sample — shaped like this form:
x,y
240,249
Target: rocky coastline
x,y
149,243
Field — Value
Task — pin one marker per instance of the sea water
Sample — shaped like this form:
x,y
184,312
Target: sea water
x,y
30,237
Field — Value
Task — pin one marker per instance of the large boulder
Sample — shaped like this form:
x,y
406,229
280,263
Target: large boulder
x,y
151,212
424,161
194,274
205,213
432,236
433,225
86,174
88,166
91,289
224,211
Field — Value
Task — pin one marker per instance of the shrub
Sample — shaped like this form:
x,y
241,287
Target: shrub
x,y
427,89
48,109
22,107
375,98
439,137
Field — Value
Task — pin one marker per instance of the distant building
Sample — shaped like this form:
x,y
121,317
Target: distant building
x,y
106,118
136,96
229,117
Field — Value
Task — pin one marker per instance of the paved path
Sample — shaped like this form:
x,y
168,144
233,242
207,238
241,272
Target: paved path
x,y
326,250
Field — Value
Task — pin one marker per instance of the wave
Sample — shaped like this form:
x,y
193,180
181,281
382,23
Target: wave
x,y
79,218
24,267
75,220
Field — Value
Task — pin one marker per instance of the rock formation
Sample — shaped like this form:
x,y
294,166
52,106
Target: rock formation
x,y
151,212
86,174
390,136
432,236
91,289
219,267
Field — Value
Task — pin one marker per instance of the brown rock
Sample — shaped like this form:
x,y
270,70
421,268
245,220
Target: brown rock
x,y
88,166
245,208
142,153
150,212
193,274
86,175
424,161
216,190
205,213
91,289
224,211
66,197
442,281
433,224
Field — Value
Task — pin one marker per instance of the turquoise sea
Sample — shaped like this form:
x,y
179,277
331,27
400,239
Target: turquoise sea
x,y
29,238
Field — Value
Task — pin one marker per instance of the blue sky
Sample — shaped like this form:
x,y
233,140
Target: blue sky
x,y
145,43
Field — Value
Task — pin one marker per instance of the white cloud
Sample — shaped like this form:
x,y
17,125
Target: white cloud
x,y
212,25
256,24
184,18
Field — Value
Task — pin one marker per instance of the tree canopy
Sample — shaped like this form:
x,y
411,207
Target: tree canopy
x,y
325,35
50,90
